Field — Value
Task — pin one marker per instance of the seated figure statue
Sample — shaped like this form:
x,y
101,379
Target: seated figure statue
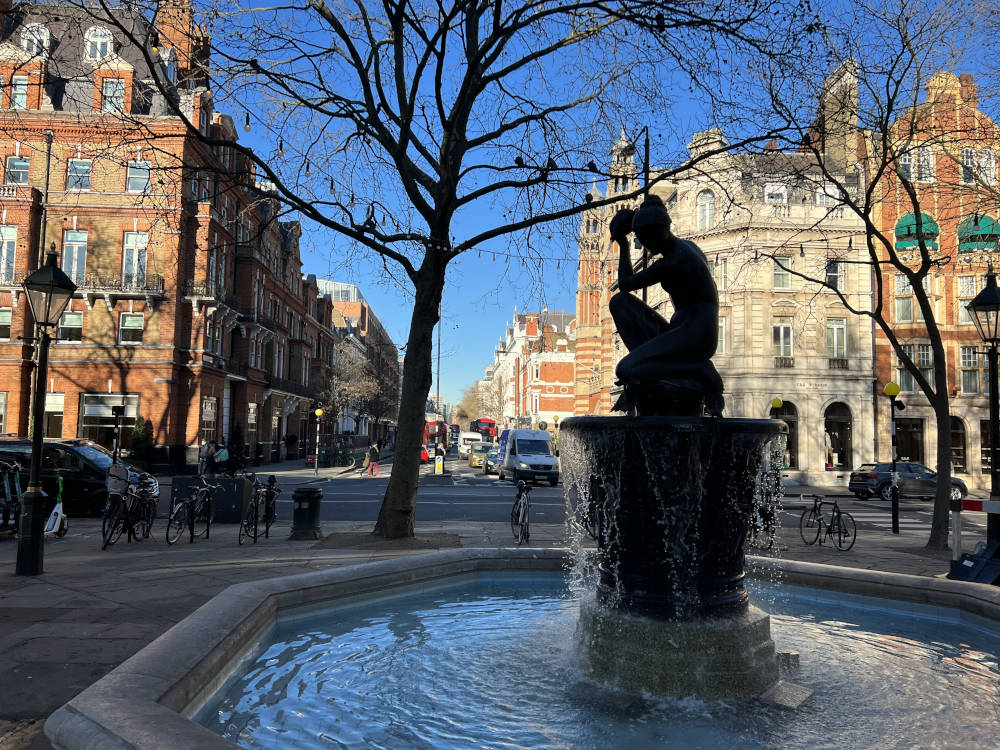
x,y
668,370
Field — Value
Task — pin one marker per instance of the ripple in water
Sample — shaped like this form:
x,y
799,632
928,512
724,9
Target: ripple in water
x,y
493,666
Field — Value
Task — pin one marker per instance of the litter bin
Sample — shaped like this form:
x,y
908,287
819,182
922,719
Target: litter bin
x,y
306,503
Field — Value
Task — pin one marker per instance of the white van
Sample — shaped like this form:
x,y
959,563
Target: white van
x,y
466,440
528,454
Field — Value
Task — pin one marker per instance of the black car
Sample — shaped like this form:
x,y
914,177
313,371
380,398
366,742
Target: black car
x,y
915,480
491,464
84,468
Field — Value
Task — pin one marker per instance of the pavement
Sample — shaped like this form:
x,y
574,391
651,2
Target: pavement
x,y
92,609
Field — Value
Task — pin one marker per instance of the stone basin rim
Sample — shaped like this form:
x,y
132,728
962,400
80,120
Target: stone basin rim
x,y
643,424
145,701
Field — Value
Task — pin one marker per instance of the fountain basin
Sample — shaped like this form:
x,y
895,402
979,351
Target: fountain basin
x,y
148,701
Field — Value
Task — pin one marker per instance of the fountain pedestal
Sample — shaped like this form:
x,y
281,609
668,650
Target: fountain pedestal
x,y
671,500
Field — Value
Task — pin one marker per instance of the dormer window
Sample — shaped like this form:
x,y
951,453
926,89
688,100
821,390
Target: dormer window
x,y
169,59
35,39
97,43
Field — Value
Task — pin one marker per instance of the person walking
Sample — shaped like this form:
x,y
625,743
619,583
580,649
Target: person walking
x,y
373,460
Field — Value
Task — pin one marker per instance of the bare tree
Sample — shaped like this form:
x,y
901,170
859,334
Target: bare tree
x,y
350,385
888,147
393,124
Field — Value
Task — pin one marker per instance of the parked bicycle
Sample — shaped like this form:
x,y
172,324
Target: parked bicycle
x,y
261,510
815,525
196,510
520,513
131,513
11,515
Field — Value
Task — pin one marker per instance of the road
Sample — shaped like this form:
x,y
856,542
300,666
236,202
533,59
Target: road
x,y
467,495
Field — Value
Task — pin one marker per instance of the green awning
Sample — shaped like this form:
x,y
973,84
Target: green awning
x,y
977,233
906,232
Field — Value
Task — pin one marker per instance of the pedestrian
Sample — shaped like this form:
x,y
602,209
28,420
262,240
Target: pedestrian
x,y
439,450
213,448
373,460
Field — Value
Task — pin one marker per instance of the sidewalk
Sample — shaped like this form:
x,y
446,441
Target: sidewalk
x,y
91,610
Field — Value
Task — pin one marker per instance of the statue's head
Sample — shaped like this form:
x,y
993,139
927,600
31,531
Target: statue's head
x,y
651,223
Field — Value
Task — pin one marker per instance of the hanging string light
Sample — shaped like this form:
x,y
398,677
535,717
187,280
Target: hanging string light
x,y
246,122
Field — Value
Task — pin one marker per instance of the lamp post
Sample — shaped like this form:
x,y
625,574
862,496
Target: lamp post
x,y
319,414
985,310
892,390
48,290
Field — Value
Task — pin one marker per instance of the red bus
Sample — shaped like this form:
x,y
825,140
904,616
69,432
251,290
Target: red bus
x,y
485,427
435,430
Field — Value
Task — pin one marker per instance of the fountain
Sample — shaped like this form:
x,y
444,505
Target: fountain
x,y
669,492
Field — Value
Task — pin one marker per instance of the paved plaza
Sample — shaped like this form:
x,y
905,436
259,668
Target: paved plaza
x,y
92,609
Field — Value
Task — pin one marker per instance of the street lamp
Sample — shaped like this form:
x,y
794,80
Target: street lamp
x,y
319,414
48,290
985,310
892,390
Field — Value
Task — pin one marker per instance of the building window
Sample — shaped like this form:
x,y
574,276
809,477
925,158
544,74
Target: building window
x,y
35,39
775,193
968,166
113,95
721,273
19,92
97,43
17,170
788,414
906,166
5,316
137,177
134,259
3,411
836,338
925,164
720,346
966,291
925,362
251,440
827,195
835,274
782,274
130,328
987,166
985,444
903,376
903,299
78,174
958,446
781,333
97,418
537,372
209,421
8,245
706,210
968,359
74,261
70,327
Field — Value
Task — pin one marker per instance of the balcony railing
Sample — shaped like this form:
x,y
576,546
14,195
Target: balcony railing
x,y
211,290
288,386
838,363
232,365
784,362
145,284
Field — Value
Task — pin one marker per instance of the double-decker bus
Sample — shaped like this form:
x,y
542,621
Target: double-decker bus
x,y
485,427
435,430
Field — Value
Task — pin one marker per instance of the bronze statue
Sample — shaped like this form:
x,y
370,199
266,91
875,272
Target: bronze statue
x,y
668,370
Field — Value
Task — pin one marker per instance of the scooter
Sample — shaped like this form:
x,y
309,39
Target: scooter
x,y
57,524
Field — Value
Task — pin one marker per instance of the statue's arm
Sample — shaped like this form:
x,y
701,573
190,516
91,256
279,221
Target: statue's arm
x,y
647,277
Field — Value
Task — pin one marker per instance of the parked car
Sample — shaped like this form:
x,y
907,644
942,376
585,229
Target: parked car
x,y
84,468
491,464
915,480
424,455
477,455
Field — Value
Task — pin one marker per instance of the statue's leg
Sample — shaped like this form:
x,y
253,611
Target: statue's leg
x,y
635,321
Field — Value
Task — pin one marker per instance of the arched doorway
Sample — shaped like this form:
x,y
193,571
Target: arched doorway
x,y
788,414
837,437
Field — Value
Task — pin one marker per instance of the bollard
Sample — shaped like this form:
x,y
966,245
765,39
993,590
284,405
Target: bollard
x,y
306,503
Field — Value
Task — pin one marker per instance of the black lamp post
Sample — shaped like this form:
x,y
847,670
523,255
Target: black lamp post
x,y
48,290
985,309
892,391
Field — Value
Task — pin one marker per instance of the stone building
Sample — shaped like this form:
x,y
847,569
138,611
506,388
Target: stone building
x,y
191,309
761,219
531,377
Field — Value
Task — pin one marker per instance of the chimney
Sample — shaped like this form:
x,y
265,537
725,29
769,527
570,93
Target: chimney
x,y
174,23
969,90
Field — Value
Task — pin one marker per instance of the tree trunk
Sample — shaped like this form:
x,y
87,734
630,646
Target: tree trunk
x,y
942,499
395,517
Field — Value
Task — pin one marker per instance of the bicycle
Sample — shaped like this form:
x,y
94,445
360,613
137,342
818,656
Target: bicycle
x,y
11,516
132,510
519,514
263,501
195,509
813,525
